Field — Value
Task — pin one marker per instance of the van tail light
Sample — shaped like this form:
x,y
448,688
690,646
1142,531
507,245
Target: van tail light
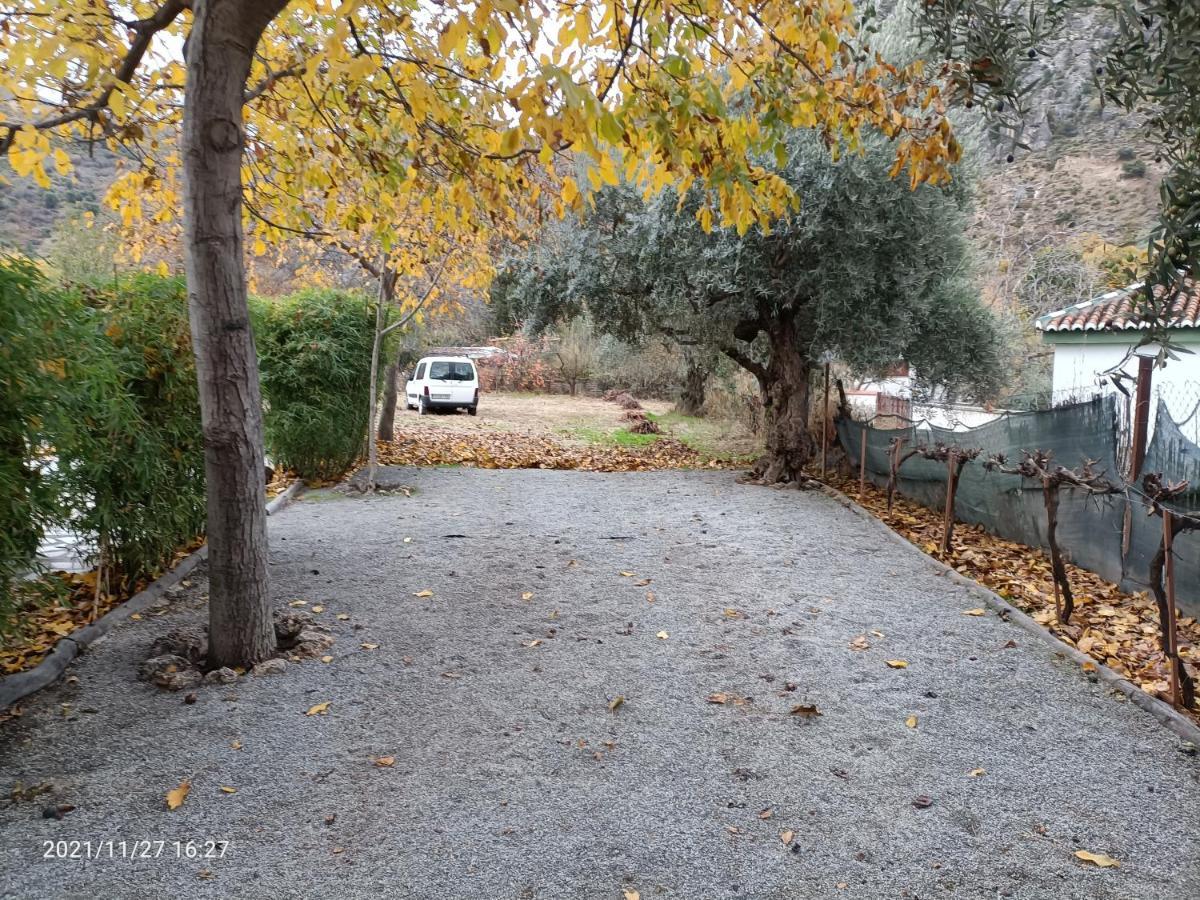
x,y
426,390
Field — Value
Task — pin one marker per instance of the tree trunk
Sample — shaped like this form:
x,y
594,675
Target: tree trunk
x,y
785,407
387,282
387,415
691,398
219,50
1062,584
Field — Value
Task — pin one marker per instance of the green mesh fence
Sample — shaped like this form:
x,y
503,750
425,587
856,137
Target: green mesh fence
x,y
1090,529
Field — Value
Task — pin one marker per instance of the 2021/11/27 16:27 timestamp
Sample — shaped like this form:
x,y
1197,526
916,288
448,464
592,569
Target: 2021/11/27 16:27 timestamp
x,y
206,849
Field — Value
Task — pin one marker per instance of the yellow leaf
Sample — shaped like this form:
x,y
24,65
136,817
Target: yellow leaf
x,y
176,797
911,721
631,894
786,836
228,790
298,603
62,162
615,702
236,745
319,710
326,659
342,617
367,646
528,595
897,663
628,574
318,609
975,612
424,593
385,762
975,773
1090,666
535,642
662,635
1099,859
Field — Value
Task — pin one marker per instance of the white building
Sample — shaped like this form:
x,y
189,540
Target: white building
x,y
1096,337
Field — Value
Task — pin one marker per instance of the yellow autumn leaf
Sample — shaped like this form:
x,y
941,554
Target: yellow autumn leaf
x,y
368,646
630,894
385,762
979,611
326,659
225,789
628,574
615,702
176,797
319,710
975,773
911,721
897,663
786,836
528,595
318,609
662,635
1098,859
424,593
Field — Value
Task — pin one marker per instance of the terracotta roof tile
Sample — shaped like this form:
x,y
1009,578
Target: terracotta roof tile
x,y
1114,312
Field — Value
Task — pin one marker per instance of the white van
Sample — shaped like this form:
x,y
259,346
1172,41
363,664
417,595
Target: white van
x,y
443,382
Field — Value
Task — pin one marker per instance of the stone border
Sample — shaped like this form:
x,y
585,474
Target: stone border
x,y
16,687
1168,716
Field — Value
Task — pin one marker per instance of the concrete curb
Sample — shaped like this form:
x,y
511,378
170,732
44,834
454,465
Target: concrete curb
x,y
16,687
284,499
1172,719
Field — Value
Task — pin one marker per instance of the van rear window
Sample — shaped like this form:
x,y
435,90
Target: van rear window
x,y
451,371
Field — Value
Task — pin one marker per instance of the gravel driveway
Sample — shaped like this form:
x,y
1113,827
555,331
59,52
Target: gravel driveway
x,y
517,775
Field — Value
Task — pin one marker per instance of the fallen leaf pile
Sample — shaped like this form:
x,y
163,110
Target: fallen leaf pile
x,y
514,450
52,607
1113,627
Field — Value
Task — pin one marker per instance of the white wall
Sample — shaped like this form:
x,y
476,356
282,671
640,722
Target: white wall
x,y
1077,367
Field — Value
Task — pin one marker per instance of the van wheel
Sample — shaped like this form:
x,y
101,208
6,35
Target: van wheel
x,y
470,410
422,409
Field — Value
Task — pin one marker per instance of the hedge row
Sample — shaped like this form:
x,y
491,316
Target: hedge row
x,y
100,428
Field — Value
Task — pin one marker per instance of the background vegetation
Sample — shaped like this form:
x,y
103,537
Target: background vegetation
x,y
314,352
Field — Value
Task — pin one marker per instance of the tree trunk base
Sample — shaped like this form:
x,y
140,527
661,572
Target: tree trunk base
x,y
775,470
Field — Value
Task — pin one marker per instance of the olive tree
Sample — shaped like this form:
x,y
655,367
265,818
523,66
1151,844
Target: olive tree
x,y
868,269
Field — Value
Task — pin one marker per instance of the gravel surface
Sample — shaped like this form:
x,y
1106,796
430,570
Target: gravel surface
x,y
512,778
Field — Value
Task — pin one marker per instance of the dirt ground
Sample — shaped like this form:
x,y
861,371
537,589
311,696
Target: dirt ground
x,y
576,421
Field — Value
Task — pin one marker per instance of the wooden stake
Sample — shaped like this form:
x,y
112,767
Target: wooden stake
x,y
948,516
1172,635
862,462
825,421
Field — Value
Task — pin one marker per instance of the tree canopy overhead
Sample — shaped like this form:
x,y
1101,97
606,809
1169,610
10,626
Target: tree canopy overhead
x,y
458,91
866,270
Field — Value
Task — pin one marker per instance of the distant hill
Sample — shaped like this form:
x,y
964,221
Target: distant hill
x,y
28,213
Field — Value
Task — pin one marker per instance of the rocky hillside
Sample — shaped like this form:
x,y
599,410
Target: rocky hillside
x,y
29,214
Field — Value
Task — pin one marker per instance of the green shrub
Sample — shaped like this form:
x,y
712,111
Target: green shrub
x,y
1134,168
314,352
99,422
131,457
31,367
